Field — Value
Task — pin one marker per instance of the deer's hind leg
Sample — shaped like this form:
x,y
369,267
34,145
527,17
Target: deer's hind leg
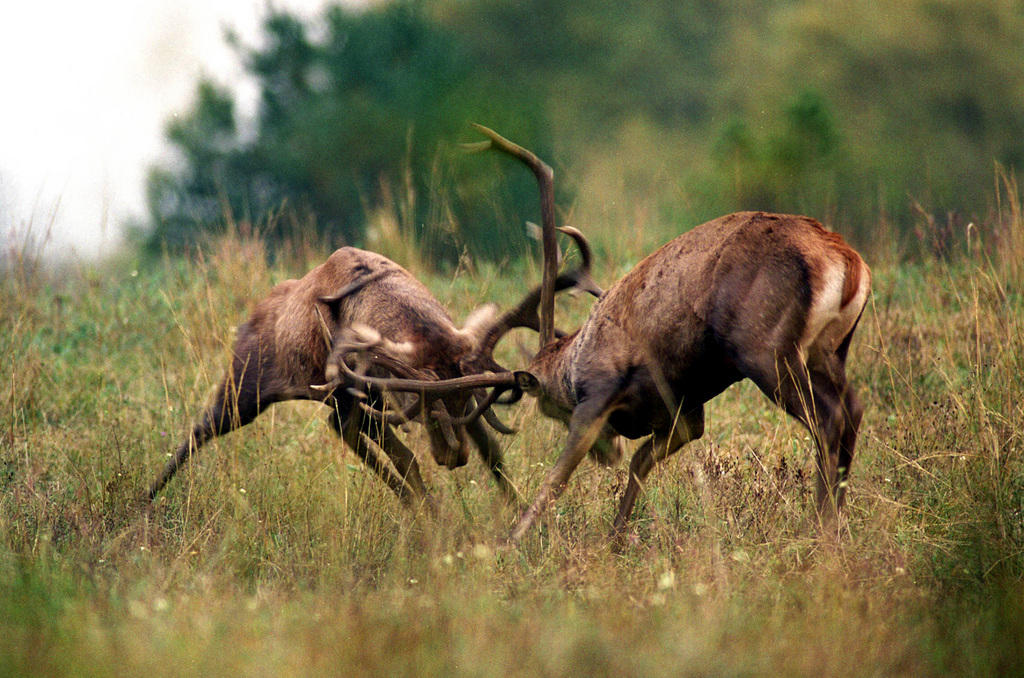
x,y
244,392
817,394
689,426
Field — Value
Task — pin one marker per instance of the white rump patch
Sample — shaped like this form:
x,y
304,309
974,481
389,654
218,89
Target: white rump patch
x,y
828,322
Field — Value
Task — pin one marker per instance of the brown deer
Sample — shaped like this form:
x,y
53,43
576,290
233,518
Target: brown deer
x,y
768,297
283,349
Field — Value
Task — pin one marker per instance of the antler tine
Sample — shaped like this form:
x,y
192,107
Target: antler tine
x,y
584,280
364,346
430,387
413,380
545,182
483,406
525,314
394,417
586,283
497,424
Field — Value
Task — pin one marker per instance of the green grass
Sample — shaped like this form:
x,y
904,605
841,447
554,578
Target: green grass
x,y
276,553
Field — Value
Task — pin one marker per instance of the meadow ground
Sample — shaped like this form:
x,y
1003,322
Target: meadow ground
x,y
276,553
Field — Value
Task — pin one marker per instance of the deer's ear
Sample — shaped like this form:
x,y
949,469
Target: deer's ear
x,y
526,382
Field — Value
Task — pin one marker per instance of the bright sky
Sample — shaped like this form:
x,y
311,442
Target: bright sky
x,y
86,90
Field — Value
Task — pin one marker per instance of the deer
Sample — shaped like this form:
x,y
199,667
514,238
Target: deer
x,y
773,298
281,353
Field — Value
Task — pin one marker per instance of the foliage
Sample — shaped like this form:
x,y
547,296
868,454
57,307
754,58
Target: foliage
x,y
794,166
600,65
920,93
276,552
846,112
840,110
209,179
358,115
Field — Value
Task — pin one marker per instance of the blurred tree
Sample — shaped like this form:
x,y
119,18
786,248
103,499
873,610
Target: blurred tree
x,y
842,110
602,64
793,168
845,110
925,93
195,193
362,118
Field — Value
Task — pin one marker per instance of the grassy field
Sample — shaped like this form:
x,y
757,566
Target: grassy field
x,y
276,553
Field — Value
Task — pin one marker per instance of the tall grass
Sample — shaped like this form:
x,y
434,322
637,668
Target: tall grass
x,y
275,552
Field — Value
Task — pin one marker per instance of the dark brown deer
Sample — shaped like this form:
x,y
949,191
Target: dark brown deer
x,y
767,297
283,349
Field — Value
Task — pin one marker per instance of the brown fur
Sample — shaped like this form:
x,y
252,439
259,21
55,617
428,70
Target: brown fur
x,y
281,351
748,295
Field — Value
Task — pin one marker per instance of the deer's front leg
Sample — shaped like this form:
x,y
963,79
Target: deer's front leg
x,y
588,419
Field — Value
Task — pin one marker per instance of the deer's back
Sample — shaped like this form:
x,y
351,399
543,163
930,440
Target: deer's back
x,y
396,304
739,283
